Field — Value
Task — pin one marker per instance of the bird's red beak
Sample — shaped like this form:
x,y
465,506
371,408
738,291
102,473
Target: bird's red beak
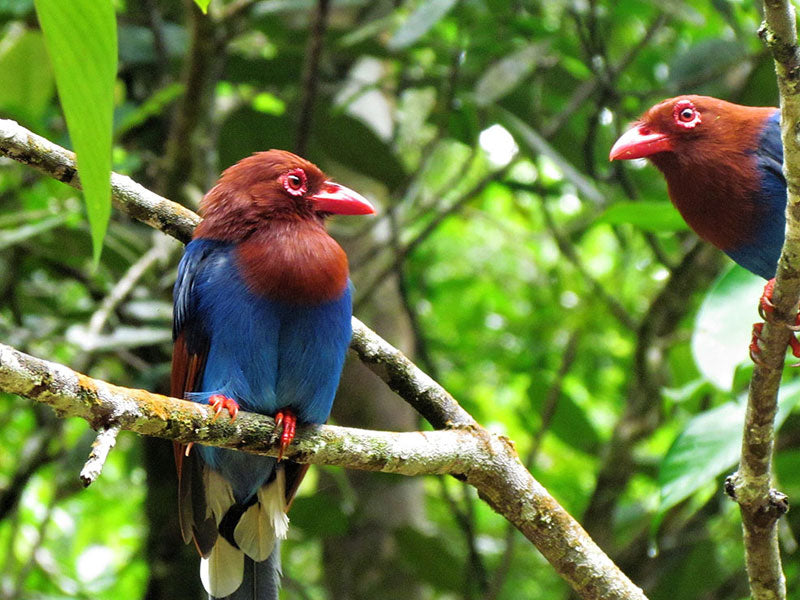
x,y
339,200
639,142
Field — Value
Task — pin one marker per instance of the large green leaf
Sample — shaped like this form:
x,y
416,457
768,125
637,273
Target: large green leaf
x,y
723,327
709,445
203,4
81,38
649,216
420,22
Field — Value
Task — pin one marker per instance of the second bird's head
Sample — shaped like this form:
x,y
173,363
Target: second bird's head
x,y
688,130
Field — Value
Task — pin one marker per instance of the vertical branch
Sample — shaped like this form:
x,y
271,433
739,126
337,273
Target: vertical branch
x,y
751,485
189,111
316,40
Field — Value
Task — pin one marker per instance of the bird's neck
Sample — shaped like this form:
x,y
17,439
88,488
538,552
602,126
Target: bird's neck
x,y
717,199
293,261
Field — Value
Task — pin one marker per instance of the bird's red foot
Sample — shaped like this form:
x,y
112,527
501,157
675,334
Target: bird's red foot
x,y
765,305
755,349
219,403
288,420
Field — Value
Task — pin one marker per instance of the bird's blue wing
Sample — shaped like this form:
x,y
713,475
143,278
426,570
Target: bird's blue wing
x,y
761,254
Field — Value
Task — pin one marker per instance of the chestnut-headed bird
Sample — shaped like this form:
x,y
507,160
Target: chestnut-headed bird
x,y
262,322
723,166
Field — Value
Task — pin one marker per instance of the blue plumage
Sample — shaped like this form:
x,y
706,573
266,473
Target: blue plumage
x,y
761,254
265,354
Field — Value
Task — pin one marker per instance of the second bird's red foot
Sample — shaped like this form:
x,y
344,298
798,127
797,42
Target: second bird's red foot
x,y
765,309
219,403
288,420
765,305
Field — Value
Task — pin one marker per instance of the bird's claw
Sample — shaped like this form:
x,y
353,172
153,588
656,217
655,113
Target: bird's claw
x,y
755,349
765,305
219,403
765,310
288,421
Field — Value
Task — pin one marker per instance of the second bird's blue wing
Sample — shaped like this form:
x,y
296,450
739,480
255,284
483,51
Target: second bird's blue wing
x,y
760,255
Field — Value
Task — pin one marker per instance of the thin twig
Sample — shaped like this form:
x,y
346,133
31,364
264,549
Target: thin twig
x,y
403,252
101,447
160,252
568,250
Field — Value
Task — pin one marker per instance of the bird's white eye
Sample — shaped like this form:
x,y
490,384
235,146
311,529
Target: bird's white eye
x,y
686,115
295,182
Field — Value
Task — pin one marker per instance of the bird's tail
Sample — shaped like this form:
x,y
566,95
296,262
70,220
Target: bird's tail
x,y
244,561
260,580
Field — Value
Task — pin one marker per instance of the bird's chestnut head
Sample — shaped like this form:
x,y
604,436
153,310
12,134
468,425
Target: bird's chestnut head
x,y
677,128
273,186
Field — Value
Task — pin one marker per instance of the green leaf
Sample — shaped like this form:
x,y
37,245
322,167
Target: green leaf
x,y
722,328
154,106
420,22
648,216
569,421
709,445
507,73
203,4
26,78
81,38
347,141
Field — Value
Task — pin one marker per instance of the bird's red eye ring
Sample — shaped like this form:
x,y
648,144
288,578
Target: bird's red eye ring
x,y
295,182
686,115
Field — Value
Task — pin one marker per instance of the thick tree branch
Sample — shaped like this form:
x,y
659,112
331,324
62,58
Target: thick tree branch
x,y
760,506
467,450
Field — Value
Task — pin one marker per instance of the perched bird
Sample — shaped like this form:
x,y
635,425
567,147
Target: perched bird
x,y
262,322
722,163
723,166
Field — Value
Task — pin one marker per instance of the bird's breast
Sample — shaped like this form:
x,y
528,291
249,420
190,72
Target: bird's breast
x,y
296,263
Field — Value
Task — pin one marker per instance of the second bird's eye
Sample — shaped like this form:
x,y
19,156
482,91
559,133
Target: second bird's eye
x,y
295,181
685,114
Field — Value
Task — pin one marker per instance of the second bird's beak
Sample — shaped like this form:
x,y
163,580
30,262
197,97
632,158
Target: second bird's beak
x,y
340,200
639,142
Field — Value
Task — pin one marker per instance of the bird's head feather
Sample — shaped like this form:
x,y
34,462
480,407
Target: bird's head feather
x,y
273,186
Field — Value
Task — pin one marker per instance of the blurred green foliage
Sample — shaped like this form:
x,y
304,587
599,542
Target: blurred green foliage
x,y
557,296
